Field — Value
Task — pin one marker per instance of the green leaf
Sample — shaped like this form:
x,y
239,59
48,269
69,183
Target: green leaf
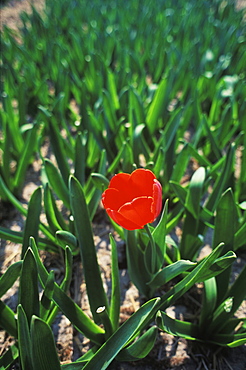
x,y
9,358
204,270
46,299
240,237
177,327
70,309
170,272
159,235
80,157
157,106
29,283
109,350
24,339
58,146
140,348
7,319
222,180
56,181
54,217
67,238
25,157
193,200
32,220
95,291
114,312
224,230
237,292
209,300
43,349
9,277
136,263
100,181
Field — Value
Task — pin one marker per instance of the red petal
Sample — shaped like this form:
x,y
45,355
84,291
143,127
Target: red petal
x,y
122,221
111,198
121,183
157,198
141,183
138,211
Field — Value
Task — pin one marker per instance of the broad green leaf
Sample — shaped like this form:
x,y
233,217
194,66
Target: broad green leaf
x,y
43,349
109,350
177,327
95,291
159,235
67,238
29,283
170,272
209,300
240,237
70,309
24,339
203,271
56,182
32,220
8,320
157,106
180,191
224,230
25,157
57,143
9,358
115,289
9,277
53,215
80,157
100,181
136,263
222,180
46,299
238,293
140,348
193,200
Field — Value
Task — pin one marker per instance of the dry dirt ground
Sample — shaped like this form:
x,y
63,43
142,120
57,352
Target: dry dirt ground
x,y
169,352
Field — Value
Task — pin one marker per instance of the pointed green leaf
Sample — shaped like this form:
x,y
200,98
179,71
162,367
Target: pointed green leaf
x,y
32,220
193,200
224,230
9,358
222,179
67,238
170,272
28,292
56,182
24,339
95,291
115,289
109,350
159,234
43,349
70,309
177,327
9,277
140,348
7,319
47,296
53,215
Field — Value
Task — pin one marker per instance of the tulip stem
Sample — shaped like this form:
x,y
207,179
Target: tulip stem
x,y
153,248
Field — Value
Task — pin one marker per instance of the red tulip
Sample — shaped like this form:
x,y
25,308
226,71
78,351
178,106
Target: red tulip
x,y
133,200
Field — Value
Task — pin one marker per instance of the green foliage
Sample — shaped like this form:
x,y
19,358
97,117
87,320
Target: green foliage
x,y
111,88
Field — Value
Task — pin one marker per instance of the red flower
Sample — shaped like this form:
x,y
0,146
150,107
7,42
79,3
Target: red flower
x,y
133,200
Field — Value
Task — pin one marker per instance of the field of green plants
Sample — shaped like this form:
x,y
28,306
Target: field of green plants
x,y
154,91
